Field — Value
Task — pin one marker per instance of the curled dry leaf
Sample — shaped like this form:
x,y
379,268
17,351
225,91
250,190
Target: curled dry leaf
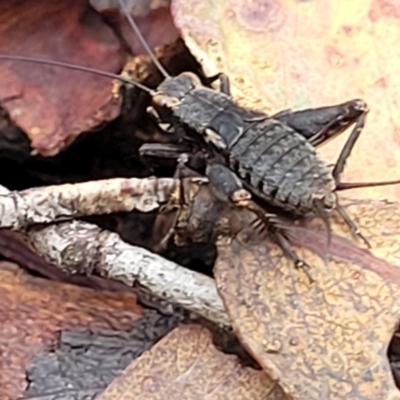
x,y
284,54
53,105
191,368
326,339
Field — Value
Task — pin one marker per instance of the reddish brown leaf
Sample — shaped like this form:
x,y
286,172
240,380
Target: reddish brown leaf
x,y
32,310
296,54
53,105
153,18
186,365
327,339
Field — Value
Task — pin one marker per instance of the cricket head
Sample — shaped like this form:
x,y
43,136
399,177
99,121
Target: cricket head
x,y
173,89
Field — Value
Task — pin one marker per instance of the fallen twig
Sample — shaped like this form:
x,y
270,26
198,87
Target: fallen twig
x,y
48,204
81,248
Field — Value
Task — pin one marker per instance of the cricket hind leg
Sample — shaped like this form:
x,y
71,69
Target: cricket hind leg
x,y
319,125
359,123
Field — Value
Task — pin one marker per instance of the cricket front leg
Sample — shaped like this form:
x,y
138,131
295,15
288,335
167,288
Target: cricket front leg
x,y
170,213
175,152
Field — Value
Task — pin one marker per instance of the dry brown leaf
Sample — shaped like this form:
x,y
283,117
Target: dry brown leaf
x,y
33,310
153,18
321,340
328,339
186,365
53,105
296,54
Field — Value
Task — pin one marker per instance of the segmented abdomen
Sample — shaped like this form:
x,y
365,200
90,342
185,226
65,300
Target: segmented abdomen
x,y
279,165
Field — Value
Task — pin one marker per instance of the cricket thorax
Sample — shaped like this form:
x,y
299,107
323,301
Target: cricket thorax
x,y
212,114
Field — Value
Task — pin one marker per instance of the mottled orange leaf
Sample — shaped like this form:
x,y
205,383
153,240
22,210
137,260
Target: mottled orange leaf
x,y
327,339
186,365
297,54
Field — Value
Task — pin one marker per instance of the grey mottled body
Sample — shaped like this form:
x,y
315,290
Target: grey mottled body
x,y
275,162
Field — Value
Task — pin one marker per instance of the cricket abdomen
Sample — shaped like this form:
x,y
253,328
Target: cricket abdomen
x,y
280,166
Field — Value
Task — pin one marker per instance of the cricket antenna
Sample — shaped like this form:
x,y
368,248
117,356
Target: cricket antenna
x,y
79,68
356,185
142,40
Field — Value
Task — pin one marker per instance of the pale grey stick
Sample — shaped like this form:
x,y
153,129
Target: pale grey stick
x,y
44,205
81,247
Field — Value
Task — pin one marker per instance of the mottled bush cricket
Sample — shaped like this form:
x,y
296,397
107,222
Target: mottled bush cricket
x,y
254,160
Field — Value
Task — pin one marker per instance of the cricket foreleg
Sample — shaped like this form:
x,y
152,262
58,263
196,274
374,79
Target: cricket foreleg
x,y
170,151
177,202
163,150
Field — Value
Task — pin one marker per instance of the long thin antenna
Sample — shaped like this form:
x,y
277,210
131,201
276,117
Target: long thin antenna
x,y
78,68
142,40
357,185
